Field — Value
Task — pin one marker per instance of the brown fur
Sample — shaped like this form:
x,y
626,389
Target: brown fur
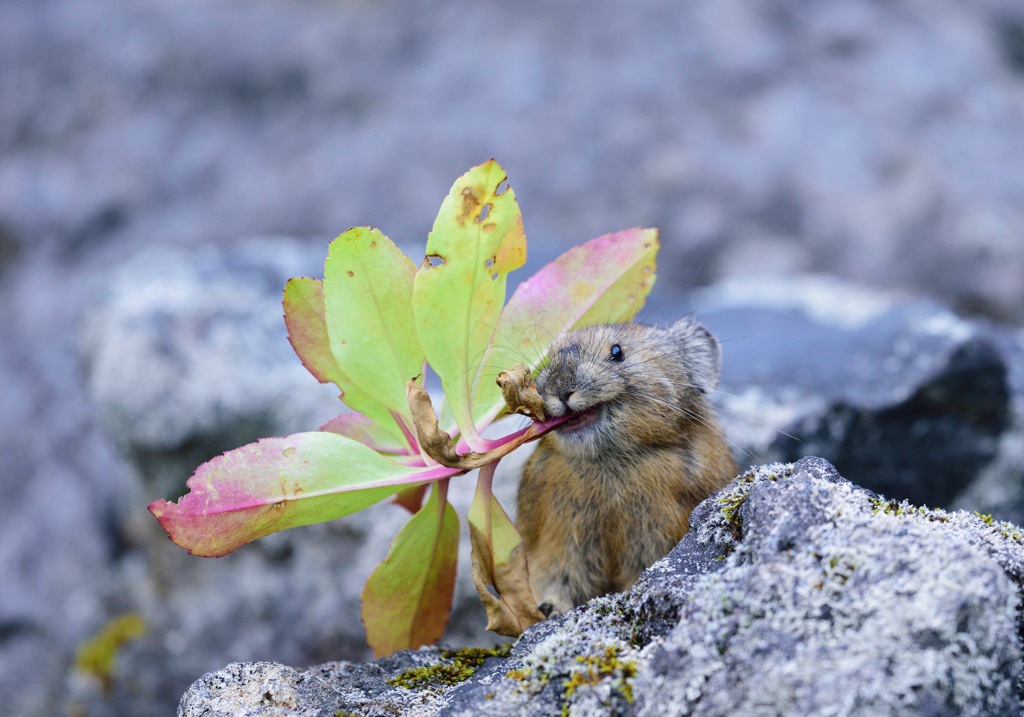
x,y
600,504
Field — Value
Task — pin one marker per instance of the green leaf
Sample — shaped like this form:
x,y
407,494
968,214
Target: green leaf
x,y
280,483
368,284
478,236
305,317
604,281
408,597
499,561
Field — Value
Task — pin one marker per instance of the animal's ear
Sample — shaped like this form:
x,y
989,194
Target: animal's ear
x,y
701,350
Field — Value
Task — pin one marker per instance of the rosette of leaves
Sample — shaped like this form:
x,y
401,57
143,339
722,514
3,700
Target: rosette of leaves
x,y
371,327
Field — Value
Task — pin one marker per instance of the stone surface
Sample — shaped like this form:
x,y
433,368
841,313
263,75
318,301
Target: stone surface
x,y
902,395
185,355
795,593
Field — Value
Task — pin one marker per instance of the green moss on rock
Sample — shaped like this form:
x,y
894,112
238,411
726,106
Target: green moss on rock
x,y
460,665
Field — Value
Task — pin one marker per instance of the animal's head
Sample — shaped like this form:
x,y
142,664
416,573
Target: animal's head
x,y
630,385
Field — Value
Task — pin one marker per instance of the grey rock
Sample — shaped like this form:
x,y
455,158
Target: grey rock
x,y
851,613
186,355
999,489
904,397
796,592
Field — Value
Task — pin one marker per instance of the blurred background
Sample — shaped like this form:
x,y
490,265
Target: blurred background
x,y
840,191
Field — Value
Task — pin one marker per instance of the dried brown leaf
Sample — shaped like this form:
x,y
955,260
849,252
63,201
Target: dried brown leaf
x,y
499,561
520,392
438,445
435,443
515,609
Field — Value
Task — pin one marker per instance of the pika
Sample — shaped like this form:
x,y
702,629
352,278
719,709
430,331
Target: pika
x,y
610,491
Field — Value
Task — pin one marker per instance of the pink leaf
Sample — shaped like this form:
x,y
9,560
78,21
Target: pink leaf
x,y
307,329
280,483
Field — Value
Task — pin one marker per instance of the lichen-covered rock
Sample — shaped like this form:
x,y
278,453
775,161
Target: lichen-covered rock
x,y
795,593
837,602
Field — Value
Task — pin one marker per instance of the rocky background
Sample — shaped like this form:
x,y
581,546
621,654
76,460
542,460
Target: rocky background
x,y
165,166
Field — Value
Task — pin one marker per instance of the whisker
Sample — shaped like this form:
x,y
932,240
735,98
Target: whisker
x,y
736,413
615,303
651,311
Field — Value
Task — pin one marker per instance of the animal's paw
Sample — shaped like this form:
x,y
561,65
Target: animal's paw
x,y
549,610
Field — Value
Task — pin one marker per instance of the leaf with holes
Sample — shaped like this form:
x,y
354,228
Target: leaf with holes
x,y
478,238
368,284
408,597
280,483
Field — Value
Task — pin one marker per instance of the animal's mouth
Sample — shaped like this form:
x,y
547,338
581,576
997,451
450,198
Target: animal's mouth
x,y
581,420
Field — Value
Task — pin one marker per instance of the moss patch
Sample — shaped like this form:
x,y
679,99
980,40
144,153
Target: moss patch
x,y
460,665
604,671
905,509
893,507
732,501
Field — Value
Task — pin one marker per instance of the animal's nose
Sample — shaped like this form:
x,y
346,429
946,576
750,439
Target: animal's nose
x,y
564,397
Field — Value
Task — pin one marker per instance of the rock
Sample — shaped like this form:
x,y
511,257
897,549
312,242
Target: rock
x,y
903,396
796,592
186,355
999,489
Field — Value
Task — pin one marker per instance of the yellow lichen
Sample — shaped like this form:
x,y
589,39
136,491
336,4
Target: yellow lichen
x,y
462,665
601,666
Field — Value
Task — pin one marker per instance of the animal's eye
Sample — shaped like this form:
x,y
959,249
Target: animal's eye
x,y
617,354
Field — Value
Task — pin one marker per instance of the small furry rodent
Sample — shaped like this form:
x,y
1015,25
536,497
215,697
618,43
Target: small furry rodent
x,y
611,491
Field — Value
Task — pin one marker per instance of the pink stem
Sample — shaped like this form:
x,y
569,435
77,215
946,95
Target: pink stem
x,y
538,427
